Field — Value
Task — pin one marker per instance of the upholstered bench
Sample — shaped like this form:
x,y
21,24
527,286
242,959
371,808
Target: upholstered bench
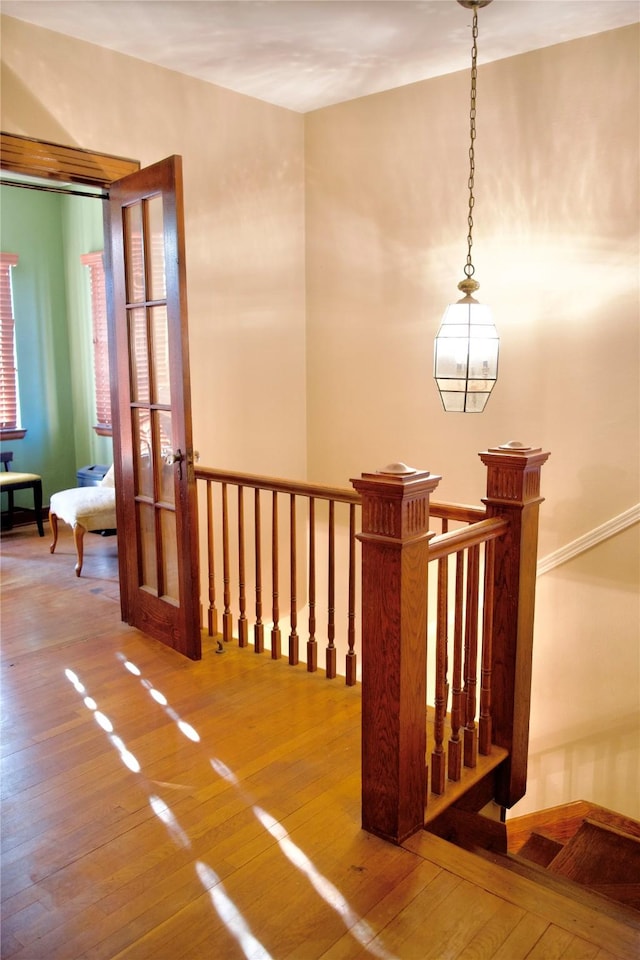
x,y
10,482
84,508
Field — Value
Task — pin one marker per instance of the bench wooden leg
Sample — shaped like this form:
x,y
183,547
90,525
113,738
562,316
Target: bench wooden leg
x,y
78,539
10,488
37,505
53,522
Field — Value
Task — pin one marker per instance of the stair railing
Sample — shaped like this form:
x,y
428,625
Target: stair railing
x,y
487,565
273,551
304,523
397,546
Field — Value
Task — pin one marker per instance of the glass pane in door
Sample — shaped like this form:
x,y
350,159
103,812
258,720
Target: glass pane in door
x,y
142,453
139,355
166,469
171,588
155,249
148,572
134,253
160,354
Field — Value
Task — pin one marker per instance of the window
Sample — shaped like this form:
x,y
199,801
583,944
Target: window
x,y
95,263
9,408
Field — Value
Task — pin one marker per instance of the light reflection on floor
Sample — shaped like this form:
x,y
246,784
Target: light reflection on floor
x,y
357,927
224,906
165,813
229,913
126,756
185,728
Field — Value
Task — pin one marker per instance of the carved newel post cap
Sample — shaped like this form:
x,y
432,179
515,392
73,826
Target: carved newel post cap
x,y
400,470
514,446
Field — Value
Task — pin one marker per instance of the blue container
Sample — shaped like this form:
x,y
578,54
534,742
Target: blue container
x,y
92,475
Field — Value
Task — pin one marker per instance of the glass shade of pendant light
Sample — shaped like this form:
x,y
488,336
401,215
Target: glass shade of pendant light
x,y
466,347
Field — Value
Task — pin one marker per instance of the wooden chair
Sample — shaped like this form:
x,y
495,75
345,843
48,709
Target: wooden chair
x,y
84,508
10,482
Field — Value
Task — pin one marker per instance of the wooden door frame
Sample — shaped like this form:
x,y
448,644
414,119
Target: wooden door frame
x,y
52,161
74,165
62,164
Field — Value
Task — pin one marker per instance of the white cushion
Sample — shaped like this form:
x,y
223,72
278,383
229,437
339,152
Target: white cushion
x,y
94,508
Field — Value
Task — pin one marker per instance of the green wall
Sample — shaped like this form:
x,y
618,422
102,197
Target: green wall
x,y
51,290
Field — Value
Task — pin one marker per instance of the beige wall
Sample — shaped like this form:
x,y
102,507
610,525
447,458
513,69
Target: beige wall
x,y
585,725
556,253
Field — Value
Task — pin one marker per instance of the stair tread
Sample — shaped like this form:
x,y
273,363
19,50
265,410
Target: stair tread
x,y
540,849
600,856
615,830
563,886
562,822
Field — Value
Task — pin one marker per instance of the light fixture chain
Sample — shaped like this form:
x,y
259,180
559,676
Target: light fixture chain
x,y
469,269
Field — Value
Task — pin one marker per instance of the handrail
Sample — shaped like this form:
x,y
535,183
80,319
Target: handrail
x,y
476,533
277,485
460,512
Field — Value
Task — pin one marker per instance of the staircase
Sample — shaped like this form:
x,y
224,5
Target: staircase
x,y
584,843
578,850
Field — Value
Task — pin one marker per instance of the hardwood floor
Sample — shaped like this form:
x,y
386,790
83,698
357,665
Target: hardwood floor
x,y
156,807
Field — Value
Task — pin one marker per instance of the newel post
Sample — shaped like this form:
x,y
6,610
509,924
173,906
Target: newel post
x,y
513,492
395,542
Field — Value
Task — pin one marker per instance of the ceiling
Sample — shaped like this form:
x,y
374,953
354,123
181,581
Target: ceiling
x,y
306,54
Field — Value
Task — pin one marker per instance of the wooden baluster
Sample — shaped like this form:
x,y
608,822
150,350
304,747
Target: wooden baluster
x,y
212,613
455,743
442,612
243,634
351,659
484,723
331,623
258,629
471,659
312,645
444,528
275,612
227,618
293,566
513,492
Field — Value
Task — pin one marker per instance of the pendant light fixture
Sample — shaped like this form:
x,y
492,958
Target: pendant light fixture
x,y
466,347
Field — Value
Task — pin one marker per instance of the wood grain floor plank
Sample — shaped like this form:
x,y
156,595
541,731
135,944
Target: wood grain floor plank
x,y
369,937
522,939
552,944
579,949
491,935
577,918
239,835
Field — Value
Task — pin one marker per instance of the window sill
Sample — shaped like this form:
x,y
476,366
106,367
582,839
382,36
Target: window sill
x,y
12,433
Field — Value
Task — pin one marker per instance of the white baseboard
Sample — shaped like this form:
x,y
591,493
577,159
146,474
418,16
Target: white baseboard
x,y
588,540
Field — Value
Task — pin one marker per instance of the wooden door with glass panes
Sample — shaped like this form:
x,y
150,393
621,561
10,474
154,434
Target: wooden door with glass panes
x,y
153,450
